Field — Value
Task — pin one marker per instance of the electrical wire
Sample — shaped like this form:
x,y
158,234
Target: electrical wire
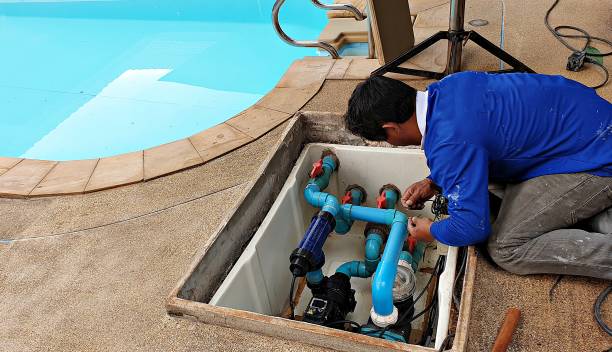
x,y
426,309
120,221
291,303
579,56
501,31
446,343
337,322
597,309
551,292
428,331
457,299
436,272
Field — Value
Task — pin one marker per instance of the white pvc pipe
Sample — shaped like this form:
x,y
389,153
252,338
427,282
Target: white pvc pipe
x,y
445,294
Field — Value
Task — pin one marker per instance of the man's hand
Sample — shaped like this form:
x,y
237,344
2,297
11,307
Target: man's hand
x,y
415,196
419,229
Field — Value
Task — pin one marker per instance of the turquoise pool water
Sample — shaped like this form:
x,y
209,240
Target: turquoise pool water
x,y
89,78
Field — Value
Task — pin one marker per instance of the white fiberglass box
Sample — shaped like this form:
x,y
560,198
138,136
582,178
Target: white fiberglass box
x,y
260,280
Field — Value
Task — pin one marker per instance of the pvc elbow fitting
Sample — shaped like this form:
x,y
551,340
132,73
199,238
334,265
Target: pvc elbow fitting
x,y
354,269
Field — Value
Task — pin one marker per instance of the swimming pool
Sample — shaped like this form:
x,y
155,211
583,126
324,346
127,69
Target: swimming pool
x,y
91,78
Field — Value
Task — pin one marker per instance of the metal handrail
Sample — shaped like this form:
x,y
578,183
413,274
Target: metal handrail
x,y
313,43
359,16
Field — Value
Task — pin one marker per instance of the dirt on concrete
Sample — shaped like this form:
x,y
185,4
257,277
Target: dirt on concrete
x,y
561,321
91,272
104,288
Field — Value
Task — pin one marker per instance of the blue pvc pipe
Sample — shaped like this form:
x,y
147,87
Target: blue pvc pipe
x,y
382,290
392,197
327,202
356,196
367,267
354,269
373,247
329,166
417,255
382,285
343,224
406,256
313,192
315,277
379,216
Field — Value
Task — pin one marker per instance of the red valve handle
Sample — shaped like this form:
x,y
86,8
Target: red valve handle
x,y
381,201
347,198
317,169
412,242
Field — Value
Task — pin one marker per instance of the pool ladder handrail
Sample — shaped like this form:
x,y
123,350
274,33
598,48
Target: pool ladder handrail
x,y
359,16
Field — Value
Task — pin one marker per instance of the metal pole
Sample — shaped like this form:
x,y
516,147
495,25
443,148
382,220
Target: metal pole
x,y
457,14
455,43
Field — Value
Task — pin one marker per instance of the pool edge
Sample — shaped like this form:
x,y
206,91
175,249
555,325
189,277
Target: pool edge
x,y
29,178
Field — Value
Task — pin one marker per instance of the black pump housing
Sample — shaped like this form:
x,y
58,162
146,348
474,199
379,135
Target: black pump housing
x,y
331,301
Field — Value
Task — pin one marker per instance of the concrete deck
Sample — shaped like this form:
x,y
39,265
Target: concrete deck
x,y
104,288
91,272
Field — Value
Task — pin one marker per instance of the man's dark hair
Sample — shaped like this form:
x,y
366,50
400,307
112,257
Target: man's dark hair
x,y
378,100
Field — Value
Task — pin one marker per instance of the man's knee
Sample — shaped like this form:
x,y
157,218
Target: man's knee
x,y
506,256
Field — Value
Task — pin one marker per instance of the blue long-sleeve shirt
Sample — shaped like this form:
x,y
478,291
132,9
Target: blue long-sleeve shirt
x,y
509,128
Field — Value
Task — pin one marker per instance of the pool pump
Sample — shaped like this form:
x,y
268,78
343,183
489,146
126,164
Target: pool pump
x,y
391,270
331,300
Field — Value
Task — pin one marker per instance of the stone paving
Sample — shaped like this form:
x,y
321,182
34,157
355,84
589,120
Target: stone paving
x,y
91,272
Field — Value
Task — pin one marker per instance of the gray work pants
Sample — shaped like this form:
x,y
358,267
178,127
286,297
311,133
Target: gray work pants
x,y
555,224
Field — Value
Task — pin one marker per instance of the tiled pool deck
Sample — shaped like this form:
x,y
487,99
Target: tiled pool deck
x,y
91,272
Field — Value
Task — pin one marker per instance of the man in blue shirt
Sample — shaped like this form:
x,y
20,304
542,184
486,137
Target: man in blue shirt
x,y
549,139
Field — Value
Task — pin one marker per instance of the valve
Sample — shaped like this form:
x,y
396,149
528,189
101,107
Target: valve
x,y
412,242
317,169
355,195
381,200
347,198
388,196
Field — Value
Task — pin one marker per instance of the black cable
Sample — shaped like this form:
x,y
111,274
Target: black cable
x,y
597,309
457,299
428,331
426,309
337,322
579,56
446,343
291,303
435,272
116,222
551,292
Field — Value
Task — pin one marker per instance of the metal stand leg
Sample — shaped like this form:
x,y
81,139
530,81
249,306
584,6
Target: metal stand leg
x,y
393,66
456,36
455,51
499,53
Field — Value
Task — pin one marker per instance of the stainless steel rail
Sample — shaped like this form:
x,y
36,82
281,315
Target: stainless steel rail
x,y
344,7
313,43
